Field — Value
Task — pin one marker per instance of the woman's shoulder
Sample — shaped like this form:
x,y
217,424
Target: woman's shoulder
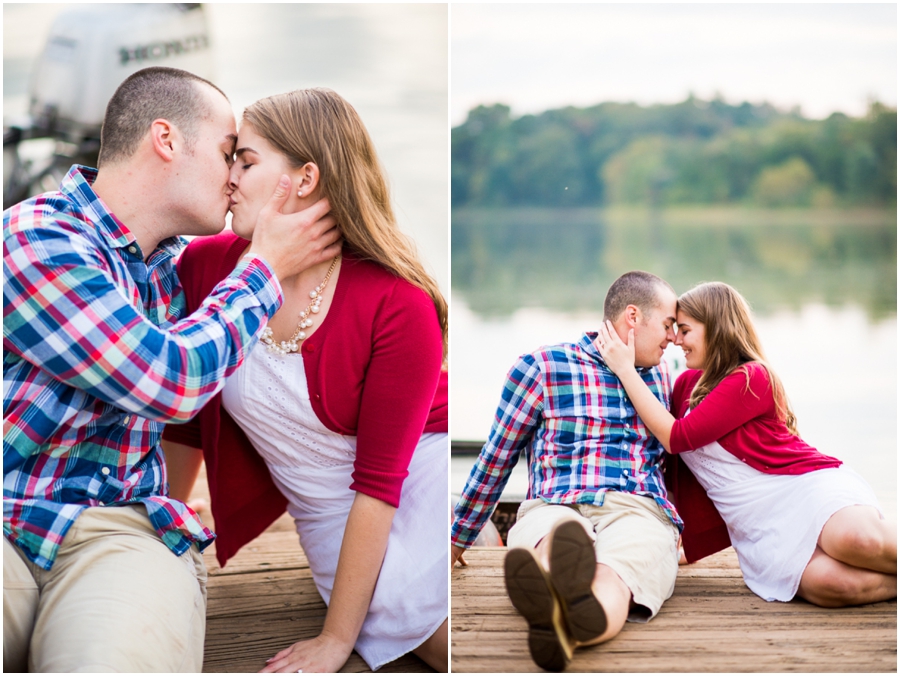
x,y
208,260
687,379
752,372
373,280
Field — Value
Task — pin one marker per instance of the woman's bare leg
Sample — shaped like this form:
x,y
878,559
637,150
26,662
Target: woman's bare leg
x,y
434,650
830,583
858,536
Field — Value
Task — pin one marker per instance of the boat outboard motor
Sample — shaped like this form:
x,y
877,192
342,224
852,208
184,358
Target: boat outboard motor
x,y
89,52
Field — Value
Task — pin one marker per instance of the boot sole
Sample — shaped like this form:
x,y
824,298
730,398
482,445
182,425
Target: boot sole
x,y
572,568
530,593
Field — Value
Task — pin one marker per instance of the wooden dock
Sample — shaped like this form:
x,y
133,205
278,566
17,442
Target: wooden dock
x,y
264,600
712,623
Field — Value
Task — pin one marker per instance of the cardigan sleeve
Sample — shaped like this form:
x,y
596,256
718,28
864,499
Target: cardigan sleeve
x,y
400,385
731,404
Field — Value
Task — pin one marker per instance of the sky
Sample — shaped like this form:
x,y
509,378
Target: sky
x,y
534,57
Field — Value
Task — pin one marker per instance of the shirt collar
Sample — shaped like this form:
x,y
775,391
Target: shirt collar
x,y
78,187
587,344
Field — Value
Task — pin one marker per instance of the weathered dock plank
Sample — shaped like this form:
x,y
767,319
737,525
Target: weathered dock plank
x,y
712,623
264,600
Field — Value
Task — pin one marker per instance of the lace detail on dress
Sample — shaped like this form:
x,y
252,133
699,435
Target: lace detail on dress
x,y
715,467
269,398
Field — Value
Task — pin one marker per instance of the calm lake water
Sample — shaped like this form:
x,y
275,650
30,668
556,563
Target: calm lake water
x,y
389,61
823,288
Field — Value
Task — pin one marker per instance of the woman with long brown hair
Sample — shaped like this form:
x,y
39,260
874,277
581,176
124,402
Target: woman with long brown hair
x,y
340,413
801,522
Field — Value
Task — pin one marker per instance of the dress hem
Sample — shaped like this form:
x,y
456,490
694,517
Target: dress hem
x,y
795,584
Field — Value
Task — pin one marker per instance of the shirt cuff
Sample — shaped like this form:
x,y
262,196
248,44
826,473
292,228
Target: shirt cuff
x,y
461,536
260,278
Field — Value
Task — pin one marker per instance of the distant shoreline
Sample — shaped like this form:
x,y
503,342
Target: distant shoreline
x,y
701,214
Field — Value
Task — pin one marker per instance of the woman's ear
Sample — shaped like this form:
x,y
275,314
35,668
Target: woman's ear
x,y
307,178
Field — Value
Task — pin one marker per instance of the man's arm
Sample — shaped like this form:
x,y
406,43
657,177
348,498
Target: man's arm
x,y
517,417
65,312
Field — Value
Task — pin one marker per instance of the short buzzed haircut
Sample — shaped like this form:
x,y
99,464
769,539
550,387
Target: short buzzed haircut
x,y
637,288
147,95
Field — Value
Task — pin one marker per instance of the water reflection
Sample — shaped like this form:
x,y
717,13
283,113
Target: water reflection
x,y
566,259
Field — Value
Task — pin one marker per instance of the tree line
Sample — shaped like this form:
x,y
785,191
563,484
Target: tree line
x,y
693,152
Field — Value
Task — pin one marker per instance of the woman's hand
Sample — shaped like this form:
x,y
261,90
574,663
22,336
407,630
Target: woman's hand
x,y
619,356
322,655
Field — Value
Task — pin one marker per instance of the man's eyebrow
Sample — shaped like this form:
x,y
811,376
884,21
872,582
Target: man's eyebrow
x,y
231,140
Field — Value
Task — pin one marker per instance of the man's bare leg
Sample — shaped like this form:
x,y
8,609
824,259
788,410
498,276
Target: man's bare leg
x,y
615,597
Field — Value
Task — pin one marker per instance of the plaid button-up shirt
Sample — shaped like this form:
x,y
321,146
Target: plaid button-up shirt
x,y
580,433
98,356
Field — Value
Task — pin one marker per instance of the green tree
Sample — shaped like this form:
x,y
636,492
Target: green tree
x,y
787,184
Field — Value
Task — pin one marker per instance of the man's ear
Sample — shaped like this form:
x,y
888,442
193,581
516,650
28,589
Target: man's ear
x,y
306,179
632,316
164,138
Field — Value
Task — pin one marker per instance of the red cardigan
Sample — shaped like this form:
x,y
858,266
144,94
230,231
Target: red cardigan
x,y
373,369
742,417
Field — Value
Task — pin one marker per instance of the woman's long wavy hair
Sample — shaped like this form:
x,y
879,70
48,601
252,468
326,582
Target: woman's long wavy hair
x,y
318,126
731,342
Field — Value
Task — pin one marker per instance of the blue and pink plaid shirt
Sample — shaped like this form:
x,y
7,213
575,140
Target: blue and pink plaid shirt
x,y
98,356
581,436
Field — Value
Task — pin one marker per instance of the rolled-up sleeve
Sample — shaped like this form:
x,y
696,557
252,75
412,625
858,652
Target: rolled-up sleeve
x,y
400,384
517,416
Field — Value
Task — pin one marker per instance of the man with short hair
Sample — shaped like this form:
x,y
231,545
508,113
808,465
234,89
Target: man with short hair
x,y
596,542
101,569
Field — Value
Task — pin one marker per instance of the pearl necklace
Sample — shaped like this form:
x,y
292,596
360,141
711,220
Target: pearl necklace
x,y
292,344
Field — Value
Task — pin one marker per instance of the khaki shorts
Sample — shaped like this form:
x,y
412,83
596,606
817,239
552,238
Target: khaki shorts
x,y
631,535
116,600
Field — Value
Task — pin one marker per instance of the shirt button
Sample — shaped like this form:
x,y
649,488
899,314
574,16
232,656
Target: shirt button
x,y
133,249
101,503
127,419
105,471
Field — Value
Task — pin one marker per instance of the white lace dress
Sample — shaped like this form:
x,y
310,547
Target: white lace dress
x,y
311,465
774,520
